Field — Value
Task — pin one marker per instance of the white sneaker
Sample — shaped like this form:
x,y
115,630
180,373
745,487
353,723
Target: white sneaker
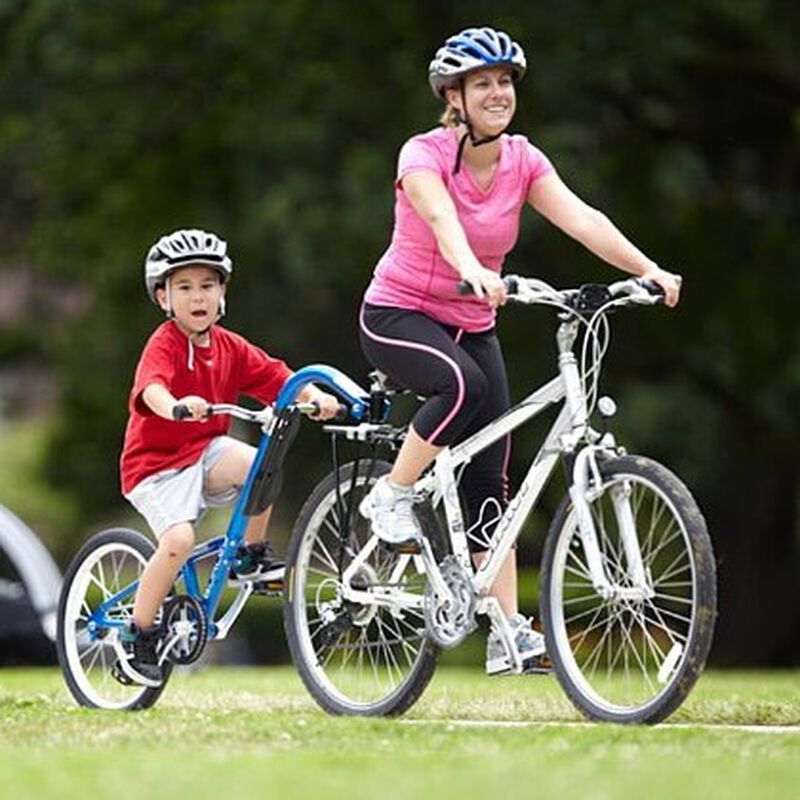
x,y
390,508
529,644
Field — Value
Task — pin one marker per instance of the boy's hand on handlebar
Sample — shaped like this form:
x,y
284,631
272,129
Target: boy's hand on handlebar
x,y
197,407
328,405
668,281
487,285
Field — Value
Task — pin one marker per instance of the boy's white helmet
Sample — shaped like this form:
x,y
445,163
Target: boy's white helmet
x,y
181,248
472,49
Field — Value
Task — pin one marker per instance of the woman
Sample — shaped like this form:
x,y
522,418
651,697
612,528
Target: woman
x,y
460,190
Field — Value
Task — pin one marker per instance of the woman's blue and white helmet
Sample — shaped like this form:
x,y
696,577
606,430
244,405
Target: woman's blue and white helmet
x,y
472,49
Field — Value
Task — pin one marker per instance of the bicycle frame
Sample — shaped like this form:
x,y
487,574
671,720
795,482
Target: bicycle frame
x,y
224,548
569,434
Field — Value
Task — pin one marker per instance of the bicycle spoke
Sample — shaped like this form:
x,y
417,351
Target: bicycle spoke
x,y
651,556
101,586
672,598
326,557
675,568
584,569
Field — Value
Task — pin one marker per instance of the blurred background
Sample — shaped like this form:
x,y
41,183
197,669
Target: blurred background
x,y
277,125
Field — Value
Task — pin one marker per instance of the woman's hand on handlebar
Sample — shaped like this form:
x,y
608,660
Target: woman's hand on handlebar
x,y
191,407
668,281
486,284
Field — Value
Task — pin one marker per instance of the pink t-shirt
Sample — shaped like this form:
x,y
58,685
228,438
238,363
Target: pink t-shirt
x,y
412,273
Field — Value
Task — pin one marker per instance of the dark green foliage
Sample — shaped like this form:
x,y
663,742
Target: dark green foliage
x,y
277,125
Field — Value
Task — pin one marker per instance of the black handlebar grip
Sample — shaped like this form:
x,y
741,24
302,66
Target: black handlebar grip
x,y
342,415
463,288
652,287
181,411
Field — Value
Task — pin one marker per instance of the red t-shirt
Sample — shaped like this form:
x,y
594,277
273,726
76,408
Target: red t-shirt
x,y
229,367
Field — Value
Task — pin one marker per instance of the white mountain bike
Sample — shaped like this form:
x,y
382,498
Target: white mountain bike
x,y
628,587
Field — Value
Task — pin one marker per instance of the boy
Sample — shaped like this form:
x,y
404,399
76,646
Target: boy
x,y
171,471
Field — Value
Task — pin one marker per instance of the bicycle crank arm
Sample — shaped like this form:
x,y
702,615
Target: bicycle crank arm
x,y
383,596
491,607
373,594
123,658
167,648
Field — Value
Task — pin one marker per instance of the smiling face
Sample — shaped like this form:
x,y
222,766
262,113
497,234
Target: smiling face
x,y
491,100
195,294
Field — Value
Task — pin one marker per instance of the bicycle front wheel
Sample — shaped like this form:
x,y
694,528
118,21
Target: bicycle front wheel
x,y
107,564
368,659
632,657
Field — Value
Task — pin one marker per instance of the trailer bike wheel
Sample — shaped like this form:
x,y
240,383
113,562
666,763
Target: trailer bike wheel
x,y
107,564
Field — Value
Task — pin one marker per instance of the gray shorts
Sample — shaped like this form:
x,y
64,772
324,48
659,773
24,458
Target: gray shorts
x,y
179,495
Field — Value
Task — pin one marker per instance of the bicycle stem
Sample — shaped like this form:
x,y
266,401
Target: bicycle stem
x,y
568,365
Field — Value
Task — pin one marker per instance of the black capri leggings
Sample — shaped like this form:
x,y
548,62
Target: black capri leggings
x,y
463,378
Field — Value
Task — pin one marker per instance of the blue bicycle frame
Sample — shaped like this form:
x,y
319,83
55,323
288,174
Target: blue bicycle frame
x,y
227,546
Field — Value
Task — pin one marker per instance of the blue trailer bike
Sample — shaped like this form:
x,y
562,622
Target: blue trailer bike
x,y
97,595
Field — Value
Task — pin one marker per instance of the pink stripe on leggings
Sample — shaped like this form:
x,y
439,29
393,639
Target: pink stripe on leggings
x,y
425,349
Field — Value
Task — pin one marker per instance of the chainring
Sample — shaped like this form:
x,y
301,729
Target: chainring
x,y
185,630
448,622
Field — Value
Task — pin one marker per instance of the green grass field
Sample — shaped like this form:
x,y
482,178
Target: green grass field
x,y
255,732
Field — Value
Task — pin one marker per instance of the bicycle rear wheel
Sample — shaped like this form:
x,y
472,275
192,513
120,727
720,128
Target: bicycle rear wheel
x,y
631,659
103,567
359,659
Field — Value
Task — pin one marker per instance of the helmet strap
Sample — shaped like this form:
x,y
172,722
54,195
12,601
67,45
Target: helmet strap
x,y
470,134
168,299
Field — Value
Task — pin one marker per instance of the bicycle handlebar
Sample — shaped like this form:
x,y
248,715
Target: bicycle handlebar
x,y
263,416
532,290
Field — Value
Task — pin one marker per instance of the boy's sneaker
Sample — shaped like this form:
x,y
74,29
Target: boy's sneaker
x,y
390,508
529,644
257,563
138,660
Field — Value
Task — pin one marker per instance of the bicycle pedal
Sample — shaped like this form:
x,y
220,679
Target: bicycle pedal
x,y
269,588
119,675
410,547
538,665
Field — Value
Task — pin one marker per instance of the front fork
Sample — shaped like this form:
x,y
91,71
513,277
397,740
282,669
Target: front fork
x,y
587,485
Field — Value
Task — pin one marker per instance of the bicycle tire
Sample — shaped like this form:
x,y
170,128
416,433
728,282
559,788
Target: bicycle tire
x,y
665,638
355,673
86,662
